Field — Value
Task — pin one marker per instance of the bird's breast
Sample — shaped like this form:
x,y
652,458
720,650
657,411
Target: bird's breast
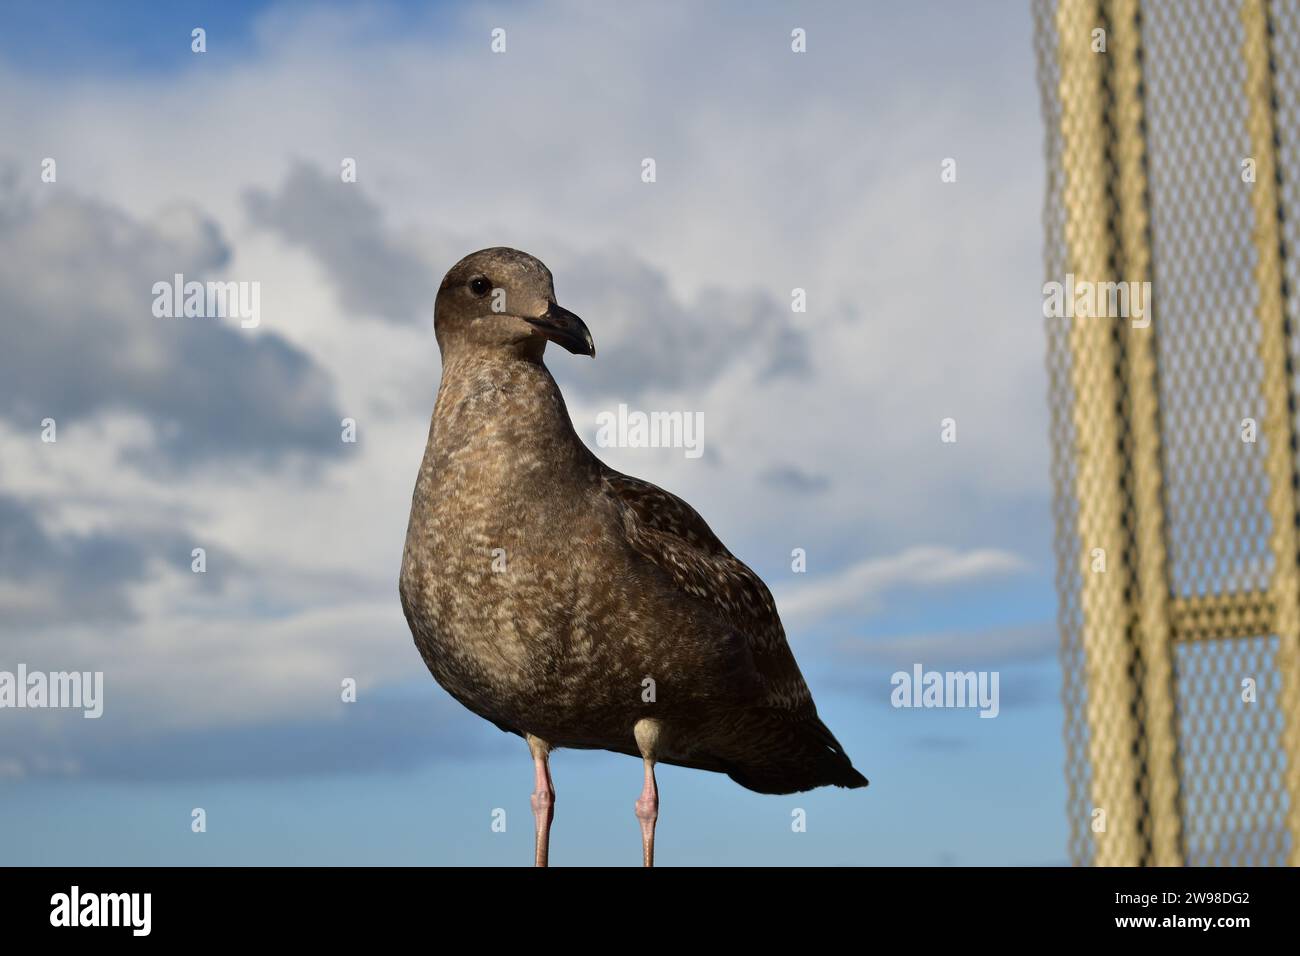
x,y
505,616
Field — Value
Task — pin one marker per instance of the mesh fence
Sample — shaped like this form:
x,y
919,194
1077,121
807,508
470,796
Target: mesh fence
x,y
1173,160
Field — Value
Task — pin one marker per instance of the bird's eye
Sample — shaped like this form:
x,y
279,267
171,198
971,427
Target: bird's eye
x,y
479,285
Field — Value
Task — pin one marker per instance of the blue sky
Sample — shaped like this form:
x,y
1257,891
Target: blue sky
x,y
818,171
88,38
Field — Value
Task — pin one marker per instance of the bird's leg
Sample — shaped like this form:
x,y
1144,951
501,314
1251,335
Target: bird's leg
x,y
647,733
647,811
543,799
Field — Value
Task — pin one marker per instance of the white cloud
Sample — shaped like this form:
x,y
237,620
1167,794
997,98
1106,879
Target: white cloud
x,y
820,172
859,588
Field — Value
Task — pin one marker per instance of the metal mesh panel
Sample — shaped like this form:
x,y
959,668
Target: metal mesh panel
x,y
1065,506
1174,443
1232,779
1286,61
1204,261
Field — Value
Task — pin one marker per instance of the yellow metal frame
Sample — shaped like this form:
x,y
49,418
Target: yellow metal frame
x,y
1278,425
1131,620
1132,740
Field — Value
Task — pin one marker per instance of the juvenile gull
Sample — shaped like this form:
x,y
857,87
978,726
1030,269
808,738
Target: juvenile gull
x,y
543,588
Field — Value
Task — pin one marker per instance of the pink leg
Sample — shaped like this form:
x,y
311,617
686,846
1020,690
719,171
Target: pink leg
x,y
543,799
647,811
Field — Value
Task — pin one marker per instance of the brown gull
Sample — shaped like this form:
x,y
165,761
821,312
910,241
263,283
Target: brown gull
x,y
576,606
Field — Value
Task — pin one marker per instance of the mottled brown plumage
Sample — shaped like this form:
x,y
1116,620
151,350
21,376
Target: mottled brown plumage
x,y
543,587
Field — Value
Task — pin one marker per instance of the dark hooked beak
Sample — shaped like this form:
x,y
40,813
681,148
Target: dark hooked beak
x,y
566,330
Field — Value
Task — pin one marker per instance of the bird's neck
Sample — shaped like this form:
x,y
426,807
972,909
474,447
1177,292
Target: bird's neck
x,y
503,415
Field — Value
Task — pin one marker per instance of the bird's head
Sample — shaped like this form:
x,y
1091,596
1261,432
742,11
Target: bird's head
x,y
504,300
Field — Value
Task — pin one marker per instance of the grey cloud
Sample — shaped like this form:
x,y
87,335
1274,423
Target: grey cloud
x,y
956,650
647,338
344,230
381,731
78,337
795,479
48,579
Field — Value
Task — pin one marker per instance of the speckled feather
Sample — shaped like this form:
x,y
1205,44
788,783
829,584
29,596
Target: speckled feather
x,y
542,587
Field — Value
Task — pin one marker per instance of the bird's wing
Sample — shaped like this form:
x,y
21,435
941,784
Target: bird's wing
x,y
671,534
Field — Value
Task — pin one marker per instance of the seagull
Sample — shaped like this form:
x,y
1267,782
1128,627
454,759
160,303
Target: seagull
x,y
576,606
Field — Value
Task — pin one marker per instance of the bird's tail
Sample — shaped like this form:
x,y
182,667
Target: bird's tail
x,y
798,757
